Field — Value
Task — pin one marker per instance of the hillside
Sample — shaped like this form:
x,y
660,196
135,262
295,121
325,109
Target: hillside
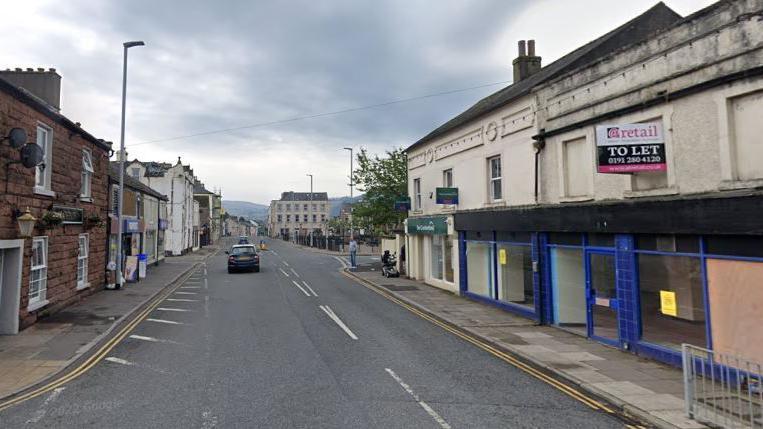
x,y
246,209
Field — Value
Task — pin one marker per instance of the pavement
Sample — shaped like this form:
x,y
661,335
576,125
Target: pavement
x,y
52,344
299,344
644,388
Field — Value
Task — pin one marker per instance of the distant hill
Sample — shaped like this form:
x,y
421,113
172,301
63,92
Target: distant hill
x,y
336,203
246,209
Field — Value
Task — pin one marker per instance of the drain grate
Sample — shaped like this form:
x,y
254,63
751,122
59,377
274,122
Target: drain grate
x,y
398,288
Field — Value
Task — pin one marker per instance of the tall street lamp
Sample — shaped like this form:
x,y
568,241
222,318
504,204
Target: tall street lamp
x,y
310,212
120,226
352,233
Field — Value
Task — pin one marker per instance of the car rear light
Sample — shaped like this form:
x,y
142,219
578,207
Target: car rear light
x,y
256,257
231,258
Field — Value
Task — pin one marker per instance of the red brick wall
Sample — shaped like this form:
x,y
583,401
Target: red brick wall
x,y
65,182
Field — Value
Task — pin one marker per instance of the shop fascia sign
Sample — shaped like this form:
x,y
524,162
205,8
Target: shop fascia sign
x,y
428,225
630,148
446,195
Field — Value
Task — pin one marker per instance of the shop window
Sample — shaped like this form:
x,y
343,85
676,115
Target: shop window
x,y
82,259
669,278
38,274
448,258
668,243
515,237
568,288
577,167
734,245
494,178
437,257
417,194
565,238
601,240
744,115
515,274
479,268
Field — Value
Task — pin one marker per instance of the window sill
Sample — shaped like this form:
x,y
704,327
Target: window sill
x,y
728,185
417,212
575,199
43,191
671,190
448,208
83,286
495,203
37,305
86,199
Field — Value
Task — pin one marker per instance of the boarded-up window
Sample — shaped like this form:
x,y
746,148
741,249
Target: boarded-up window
x,y
577,167
129,203
745,115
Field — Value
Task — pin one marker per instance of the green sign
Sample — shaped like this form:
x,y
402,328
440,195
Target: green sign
x,y
447,195
437,225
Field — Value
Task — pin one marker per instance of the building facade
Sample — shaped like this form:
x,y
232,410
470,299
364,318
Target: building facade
x,y
64,259
210,205
627,208
299,214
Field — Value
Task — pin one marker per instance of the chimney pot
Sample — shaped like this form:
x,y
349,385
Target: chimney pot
x,y
52,70
40,69
526,65
29,69
531,48
521,46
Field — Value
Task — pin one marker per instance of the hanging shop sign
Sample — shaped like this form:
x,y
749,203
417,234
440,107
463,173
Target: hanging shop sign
x,y
131,225
447,195
71,215
402,204
163,224
436,225
630,148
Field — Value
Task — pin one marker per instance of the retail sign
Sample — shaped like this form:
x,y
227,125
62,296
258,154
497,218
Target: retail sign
x,y
437,225
447,195
502,256
630,148
131,225
668,305
402,204
71,215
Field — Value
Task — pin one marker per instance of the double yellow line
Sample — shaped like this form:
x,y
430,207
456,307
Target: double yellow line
x,y
101,353
591,402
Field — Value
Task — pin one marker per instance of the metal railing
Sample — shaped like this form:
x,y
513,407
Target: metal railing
x,y
722,390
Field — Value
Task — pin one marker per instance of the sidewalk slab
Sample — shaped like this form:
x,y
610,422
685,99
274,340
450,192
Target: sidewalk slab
x,y
643,388
50,345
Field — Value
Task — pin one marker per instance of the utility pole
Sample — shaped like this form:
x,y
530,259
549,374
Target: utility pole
x,y
352,232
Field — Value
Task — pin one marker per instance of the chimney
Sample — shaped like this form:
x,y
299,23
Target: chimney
x,y
527,63
43,84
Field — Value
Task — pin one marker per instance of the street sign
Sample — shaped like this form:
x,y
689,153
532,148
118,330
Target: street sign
x,y
446,195
630,148
403,204
435,225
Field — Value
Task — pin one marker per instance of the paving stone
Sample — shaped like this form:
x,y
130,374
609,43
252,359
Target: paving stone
x,y
580,356
589,376
532,334
678,419
622,388
655,402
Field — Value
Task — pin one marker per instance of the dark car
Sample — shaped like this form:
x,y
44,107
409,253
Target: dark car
x,y
243,240
243,257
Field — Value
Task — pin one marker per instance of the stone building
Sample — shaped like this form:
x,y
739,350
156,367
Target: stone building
x,y
299,213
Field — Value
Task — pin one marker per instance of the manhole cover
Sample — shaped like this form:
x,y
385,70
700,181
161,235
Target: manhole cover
x,y
398,288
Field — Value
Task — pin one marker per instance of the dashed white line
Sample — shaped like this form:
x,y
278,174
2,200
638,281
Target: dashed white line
x,y
181,300
206,306
285,263
432,413
189,287
300,288
118,360
169,322
309,288
206,285
295,273
284,272
149,339
173,309
186,293
274,252
39,414
330,313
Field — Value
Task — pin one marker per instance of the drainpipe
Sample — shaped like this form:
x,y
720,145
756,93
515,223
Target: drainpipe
x,y
538,145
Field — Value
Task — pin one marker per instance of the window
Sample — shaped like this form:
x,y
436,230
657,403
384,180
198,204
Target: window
x,y
494,167
315,207
437,256
323,218
305,207
38,275
87,174
745,112
576,167
279,207
323,207
288,218
279,218
417,194
447,178
82,257
135,172
315,218
44,171
288,207
515,274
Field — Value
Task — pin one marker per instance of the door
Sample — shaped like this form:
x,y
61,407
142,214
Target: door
x,y
602,296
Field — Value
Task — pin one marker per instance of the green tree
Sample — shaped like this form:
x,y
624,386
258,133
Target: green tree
x,y
382,181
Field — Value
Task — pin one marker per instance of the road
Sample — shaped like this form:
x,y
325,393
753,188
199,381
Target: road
x,y
296,345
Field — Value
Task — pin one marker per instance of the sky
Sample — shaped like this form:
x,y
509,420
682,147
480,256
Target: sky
x,y
238,64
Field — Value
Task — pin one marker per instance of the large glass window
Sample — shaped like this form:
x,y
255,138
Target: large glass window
x,y
515,274
479,268
448,259
437,256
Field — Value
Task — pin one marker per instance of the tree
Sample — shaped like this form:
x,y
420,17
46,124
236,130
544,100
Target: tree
x,y
382,180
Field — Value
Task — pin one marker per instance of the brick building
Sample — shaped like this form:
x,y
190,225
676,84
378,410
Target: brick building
x,y
64,258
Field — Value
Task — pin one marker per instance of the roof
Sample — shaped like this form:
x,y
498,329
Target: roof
x,y
198,188
35,103
304,196
658,18
131,182
155,169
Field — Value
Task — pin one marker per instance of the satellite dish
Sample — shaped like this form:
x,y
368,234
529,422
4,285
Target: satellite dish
x,y
17,137
31,155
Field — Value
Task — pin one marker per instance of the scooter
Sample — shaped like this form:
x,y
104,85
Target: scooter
x,y
389,265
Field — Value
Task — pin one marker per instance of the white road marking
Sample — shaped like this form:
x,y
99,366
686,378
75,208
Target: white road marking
x,y
342,261
300,287
186,293
284,272
309,288
118,360
205,271
208,420
274,252
432,413
206,285
172,309
181,300
141,337
330,313
295,273
206,306
169,322
39,414
286,263
190,287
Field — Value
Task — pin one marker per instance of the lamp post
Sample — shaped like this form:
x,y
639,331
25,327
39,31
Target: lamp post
x,y
352,234
118,280
310,212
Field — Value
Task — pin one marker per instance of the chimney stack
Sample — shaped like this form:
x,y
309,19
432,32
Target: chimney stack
x,y
527,63
43,84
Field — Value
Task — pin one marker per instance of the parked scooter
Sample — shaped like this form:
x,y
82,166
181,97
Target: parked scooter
x,y
389,265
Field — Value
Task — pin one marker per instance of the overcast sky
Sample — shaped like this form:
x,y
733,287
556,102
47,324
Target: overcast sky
x,y
212,65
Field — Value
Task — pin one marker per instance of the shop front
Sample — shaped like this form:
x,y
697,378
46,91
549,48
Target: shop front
x,y
431,251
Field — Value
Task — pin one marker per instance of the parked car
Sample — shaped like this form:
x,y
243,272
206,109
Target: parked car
x,y
243,240
243,257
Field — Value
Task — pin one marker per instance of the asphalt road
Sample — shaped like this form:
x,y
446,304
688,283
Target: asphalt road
x,y
258,350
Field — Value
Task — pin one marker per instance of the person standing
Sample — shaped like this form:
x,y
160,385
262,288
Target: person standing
x,y
353,253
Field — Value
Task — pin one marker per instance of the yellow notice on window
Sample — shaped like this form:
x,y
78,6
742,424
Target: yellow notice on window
x,y
668,305
502,256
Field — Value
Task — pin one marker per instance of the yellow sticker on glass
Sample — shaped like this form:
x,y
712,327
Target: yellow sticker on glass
x,y
502,256
668,305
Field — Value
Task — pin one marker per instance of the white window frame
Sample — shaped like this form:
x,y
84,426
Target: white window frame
x,y
86,187
417,193
44,172
82,261
492,180
40,292
447,178
723,99
135,173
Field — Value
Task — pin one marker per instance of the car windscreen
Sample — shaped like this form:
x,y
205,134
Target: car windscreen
x,y
248,250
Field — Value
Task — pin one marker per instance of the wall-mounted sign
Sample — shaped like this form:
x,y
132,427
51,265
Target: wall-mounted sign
x,y
668,305
447,195
630,148
402,204
502,256
131,225
71,215
435,225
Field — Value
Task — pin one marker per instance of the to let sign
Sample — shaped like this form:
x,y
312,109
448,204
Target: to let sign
x,y
630,148
447,195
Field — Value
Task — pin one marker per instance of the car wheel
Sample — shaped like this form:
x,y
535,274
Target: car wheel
x,y
229,271
257,269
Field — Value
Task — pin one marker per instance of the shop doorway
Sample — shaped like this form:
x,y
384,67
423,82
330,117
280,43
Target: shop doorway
x,y
10,285
602,296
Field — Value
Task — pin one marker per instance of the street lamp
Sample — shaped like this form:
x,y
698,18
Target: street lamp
x,y
310,212
26,223
118,282
351,231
